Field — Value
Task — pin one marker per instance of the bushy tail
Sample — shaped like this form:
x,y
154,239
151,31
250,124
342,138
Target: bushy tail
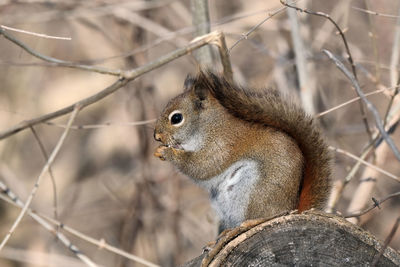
x,y
272,109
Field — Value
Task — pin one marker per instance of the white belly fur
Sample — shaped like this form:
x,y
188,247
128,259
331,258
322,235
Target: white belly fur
x,y
230,191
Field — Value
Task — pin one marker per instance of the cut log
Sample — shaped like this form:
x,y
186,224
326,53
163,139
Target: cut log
x,y
308,239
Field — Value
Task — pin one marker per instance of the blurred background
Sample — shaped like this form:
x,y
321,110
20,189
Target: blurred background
x,y
107,184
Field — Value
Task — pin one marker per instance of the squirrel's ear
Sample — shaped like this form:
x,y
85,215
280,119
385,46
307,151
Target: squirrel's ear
x,y
201,92
189,81
201,96
197,86
201,86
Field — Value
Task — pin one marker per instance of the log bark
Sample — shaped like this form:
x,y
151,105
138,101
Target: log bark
x,y
308,239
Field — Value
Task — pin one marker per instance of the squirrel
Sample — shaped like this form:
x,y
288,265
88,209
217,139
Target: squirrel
x,y
258,154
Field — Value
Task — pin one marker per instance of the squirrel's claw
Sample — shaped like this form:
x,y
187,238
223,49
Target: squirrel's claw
x,y
159,153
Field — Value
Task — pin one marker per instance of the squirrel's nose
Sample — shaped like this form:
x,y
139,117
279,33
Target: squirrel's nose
x,y
157,136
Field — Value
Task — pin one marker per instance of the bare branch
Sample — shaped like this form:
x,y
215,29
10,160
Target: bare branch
x,y
363,192
126,77
321,14
340,13
100,243
376,204
13,199
91,9
35,34
219,41
387,241
375,143
27,257
39,179
146,24
369,105
42,219
246,35
391,175
53,180
201,22
394,59
83,103
172,35
58,62
374,12
350,58
349,102
97,126
306,82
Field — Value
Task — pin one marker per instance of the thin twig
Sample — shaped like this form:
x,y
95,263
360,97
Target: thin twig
x,y
186,30
100,243
126,77
377,203
93,9
369,105
321,14
349,102
246,35
83,103
14,200
56,61
147,24
391,102
376,141
392,119
43,220
170,36
53,180
387,241
375,13
104,125
41,175
391,175
356,166
340,13
363,191
35,34
193,45
29,257
349,56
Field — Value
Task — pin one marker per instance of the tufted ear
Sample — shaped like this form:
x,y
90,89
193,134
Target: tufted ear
x,y
201,86
188,84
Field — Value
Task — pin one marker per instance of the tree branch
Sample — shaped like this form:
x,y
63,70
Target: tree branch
x,y
125,77
13,199
40,177
369,105
201,22
376,204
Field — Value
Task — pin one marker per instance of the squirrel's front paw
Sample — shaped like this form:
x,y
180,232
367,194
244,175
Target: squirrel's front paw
x,y
161,152
167,152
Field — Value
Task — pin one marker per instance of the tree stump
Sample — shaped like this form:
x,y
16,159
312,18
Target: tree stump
x,y
308,239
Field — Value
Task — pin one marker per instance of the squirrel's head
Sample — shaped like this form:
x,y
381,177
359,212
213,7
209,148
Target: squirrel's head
x,y
184,120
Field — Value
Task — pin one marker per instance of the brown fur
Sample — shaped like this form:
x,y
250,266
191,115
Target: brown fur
x,y
271,109
234,124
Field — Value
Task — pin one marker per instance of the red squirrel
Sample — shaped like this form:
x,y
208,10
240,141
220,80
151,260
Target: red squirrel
x,y
258,154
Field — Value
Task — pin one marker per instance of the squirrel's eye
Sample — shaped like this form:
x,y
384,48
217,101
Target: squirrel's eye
x,y
176,118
